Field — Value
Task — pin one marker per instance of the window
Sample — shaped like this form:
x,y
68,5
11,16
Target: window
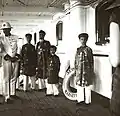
x,y
59,31
102,23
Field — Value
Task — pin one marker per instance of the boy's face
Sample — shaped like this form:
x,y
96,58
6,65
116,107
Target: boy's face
x,y
83,40
28,38
52,51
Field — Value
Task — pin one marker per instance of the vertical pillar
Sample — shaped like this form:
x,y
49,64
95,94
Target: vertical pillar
x,y
77,17
114,44
77,26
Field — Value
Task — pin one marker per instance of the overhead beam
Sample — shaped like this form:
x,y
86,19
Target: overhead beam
x,y
27,25
30,9
23,23
53,2
21,2
24,26
22,18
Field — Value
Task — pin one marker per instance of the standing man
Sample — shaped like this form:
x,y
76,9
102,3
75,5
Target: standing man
x,y
84,70
28,62
11,57
43,51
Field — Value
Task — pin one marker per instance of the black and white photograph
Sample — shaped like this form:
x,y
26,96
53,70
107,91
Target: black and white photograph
x,y
59,58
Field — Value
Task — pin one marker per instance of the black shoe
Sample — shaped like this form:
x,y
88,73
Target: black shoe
x,y
26,90
14,97
9,101
56,95
80,103
40,90
88,104
48,94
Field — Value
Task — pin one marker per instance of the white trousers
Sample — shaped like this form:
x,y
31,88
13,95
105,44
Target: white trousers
x,y
42,83
52,89
84,94
10,73
1,80
26,82
18,83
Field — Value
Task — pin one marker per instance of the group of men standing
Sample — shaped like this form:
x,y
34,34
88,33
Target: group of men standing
x,y
42,62
29,61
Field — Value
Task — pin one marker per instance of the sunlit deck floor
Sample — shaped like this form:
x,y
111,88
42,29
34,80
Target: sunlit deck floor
x,y
35,103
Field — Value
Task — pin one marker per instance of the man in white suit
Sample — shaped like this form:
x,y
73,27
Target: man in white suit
x,y
11,57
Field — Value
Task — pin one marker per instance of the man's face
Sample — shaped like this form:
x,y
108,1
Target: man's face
x,y
83,40
28,39
7,31
41,36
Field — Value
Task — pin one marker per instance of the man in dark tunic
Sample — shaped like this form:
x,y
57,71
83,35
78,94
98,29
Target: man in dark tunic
x,y
28,62
84,70
43,50
53,68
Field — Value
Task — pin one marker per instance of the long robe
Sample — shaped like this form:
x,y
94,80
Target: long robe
x,y
29,60
84,65
43,51
53,68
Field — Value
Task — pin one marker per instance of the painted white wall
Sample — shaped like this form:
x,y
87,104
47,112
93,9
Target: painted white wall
x,y
64,45
103,70
103,67
77,26
71,28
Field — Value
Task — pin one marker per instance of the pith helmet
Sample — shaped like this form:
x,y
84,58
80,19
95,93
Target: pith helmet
x,y
5,25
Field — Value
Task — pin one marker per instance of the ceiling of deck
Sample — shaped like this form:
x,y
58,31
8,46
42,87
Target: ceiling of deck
x,y
29,13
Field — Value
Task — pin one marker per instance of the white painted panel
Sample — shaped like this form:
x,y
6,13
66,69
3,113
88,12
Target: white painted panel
x,y
103,73
114,44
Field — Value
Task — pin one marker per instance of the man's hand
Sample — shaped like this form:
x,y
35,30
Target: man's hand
x,y
77,80
16,58
13,59
7,57
21,71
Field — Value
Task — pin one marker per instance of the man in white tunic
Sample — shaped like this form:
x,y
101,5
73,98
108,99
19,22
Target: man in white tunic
x,y
11,57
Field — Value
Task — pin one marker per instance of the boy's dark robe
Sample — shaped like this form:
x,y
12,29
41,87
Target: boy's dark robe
x,y
53,68
29,60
